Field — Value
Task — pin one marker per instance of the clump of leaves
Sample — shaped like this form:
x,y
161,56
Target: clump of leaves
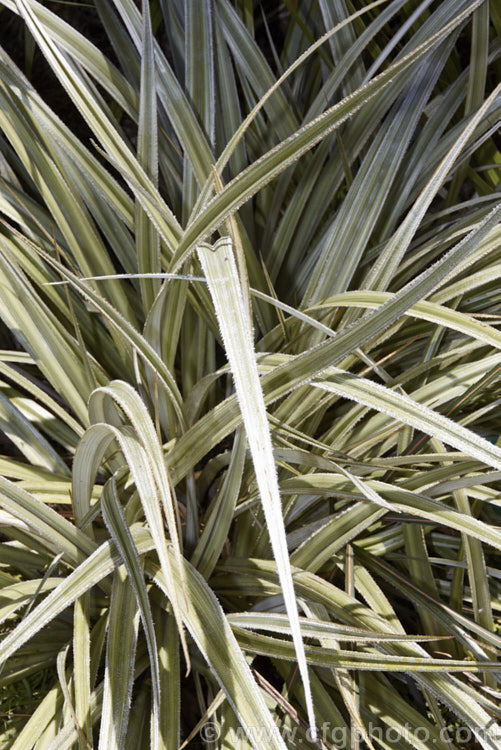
x,y
251,269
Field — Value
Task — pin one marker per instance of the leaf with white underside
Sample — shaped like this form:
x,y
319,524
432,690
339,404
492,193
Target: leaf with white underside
x,y
140,453
218,264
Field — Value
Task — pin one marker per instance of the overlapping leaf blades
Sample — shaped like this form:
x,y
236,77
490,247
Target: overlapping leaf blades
x,y
350,159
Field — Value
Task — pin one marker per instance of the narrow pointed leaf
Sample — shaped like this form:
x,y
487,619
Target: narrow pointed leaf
x,y
221,272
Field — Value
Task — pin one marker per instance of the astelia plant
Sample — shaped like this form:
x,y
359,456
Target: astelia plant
x,y
250,374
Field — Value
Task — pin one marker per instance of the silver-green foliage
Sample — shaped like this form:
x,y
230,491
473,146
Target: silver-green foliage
x,y
267,446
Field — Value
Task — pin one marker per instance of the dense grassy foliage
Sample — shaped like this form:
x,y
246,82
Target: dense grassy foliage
x,y
250,375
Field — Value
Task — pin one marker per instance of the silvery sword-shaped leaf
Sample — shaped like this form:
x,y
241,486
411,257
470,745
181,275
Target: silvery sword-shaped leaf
x,y
220,269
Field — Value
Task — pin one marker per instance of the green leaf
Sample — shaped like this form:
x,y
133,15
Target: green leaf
x,y
120,533
120,655
147,241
